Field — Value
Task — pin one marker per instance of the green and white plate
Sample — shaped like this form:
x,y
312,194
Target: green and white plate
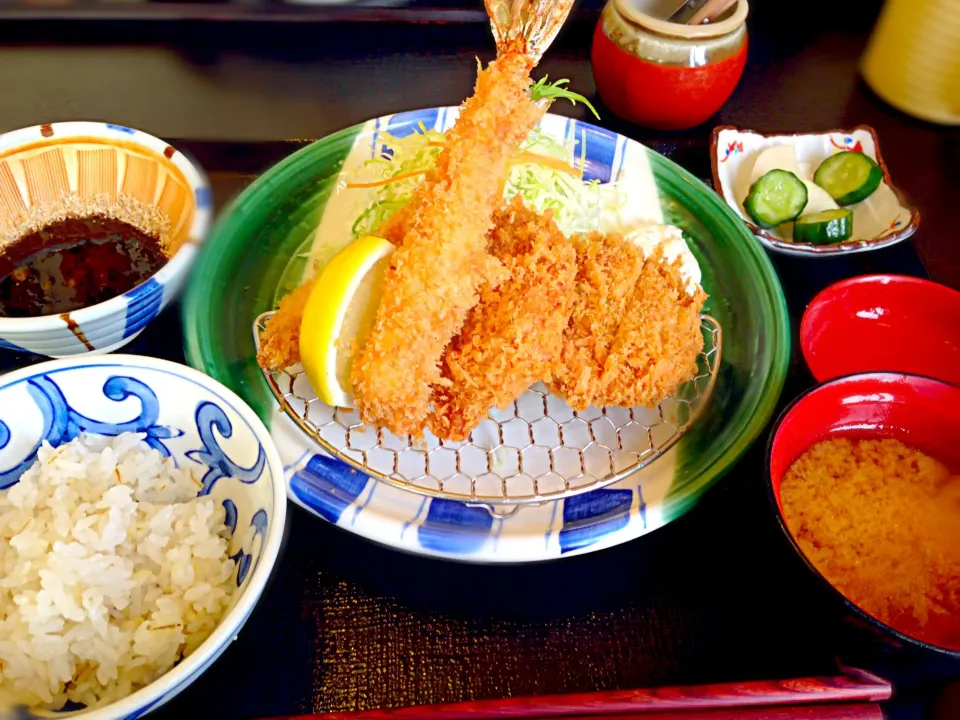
x,y
258,251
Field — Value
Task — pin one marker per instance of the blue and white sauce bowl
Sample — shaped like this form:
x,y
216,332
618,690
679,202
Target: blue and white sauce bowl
x,y
184,415
60,168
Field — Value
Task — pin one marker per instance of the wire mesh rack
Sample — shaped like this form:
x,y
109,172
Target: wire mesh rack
x,y
538,450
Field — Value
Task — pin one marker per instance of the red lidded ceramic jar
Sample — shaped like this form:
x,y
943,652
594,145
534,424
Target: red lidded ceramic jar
x,y
667,75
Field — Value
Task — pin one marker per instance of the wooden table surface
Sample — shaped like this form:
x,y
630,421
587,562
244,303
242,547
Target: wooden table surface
x,y
713,597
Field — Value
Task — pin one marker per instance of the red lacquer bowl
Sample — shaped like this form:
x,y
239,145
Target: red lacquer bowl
x,y
921,412
883,323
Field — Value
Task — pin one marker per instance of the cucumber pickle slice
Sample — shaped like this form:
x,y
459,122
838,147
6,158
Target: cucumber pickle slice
x,y
777,197
849,177
824,228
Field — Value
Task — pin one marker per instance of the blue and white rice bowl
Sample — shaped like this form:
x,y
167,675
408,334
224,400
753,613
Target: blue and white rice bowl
x,y
49,171
189,419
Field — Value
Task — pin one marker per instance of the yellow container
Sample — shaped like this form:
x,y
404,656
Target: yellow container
x,y
913,58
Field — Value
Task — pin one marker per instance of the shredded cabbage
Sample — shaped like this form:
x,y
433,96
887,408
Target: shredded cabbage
x,y
577,205
398,157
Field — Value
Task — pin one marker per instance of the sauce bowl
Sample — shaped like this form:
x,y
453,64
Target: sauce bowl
x,y
64,169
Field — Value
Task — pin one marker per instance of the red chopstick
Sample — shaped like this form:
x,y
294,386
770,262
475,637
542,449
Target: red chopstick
x,y
812,711
711,702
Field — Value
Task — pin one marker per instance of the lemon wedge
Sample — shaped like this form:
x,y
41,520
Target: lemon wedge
x,y
339,313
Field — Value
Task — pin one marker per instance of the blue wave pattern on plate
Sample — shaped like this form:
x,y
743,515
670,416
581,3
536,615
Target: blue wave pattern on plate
x,y
589,517
598,152
400,126
328,486
474,525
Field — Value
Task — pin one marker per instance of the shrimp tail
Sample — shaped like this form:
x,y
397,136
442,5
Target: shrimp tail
x,y
526,27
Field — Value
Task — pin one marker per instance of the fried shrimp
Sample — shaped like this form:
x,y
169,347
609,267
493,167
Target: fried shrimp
x,y
609,266
656,347
511,336
437,271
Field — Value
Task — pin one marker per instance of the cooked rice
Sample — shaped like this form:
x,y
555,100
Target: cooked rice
x,y
111,571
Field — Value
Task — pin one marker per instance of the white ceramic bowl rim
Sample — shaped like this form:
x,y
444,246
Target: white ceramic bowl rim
x,y
194,175
180,675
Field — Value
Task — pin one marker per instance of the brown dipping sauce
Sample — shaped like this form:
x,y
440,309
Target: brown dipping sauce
x,y
74,263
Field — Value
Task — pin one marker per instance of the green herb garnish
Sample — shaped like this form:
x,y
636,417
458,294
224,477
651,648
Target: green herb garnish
x,y
542,90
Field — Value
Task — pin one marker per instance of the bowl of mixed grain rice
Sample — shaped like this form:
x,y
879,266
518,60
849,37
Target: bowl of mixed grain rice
x,y
142,508
864,478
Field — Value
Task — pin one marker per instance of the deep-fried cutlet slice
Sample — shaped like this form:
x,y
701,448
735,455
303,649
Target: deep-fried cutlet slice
x,y
512,335
656,347
280,343
609,266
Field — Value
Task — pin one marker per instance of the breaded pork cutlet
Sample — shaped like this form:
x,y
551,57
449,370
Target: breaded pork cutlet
x,y
280,342
608,268
659,338
512,335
